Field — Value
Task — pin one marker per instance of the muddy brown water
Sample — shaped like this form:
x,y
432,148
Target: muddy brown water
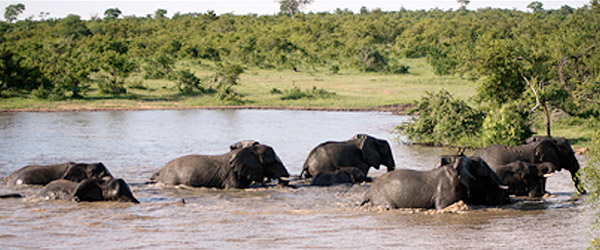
x,y
134,144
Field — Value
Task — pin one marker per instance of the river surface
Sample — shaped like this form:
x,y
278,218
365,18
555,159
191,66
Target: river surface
x,y
135,144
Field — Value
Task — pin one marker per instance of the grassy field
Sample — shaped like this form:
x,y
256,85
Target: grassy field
x,y
353,90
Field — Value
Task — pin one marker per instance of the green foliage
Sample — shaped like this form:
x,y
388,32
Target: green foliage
x,y
228,75
12,11
159,66
291,7
112,13
443,120
591,177
296,93
188,83
116,67
509,125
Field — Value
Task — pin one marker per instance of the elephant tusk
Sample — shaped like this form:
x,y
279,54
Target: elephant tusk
x,y
286,178
504,187
548,175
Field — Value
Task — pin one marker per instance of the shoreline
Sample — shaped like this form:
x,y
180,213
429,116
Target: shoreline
x,y
397,109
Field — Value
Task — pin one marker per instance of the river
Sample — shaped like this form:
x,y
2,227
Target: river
x,y
135,144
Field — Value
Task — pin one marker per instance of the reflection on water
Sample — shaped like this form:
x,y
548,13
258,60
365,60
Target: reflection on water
x,y
134,144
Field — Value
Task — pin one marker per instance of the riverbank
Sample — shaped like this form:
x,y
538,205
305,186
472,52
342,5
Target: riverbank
x,y
399,109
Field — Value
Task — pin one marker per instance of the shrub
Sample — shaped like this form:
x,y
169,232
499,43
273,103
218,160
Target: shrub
x,y
296,93
443,120
508,125
187,82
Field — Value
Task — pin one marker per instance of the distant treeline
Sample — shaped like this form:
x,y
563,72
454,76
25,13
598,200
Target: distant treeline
x,y
556,51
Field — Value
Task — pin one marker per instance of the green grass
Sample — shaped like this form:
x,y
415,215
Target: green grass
x,y
352,89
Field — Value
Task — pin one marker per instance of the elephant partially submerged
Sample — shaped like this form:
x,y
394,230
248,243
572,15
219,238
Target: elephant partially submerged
x,y
44,174
235,169
557,151
457,178
89,190
524,178
342,176
361,151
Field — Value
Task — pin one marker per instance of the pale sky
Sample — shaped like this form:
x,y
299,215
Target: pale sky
x,y
86,9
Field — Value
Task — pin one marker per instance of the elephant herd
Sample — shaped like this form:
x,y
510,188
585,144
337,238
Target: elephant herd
x,y
488,177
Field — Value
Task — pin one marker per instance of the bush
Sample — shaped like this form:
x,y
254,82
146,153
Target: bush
x,y
508,125
187,82
591,179
443,120
296,93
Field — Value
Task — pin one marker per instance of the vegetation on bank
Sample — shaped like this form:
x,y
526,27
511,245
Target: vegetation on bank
x,y
519,64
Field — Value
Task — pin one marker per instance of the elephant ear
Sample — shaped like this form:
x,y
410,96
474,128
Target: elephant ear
x,y
75,173
88,190
246,163
547,151
370,150
461,165
118,190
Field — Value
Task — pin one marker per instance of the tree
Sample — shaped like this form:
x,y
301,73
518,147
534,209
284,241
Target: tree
x,y
160,13
12,11
112,14
535,6
117,67
463,3
291,7
69,68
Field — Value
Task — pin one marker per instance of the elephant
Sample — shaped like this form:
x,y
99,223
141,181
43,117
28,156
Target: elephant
x,y
361,151
524,178
44,174
108,189
236,169
557,151
243,144
457,178
344,175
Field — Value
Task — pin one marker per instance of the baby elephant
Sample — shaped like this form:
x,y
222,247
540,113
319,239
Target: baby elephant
x,y
341,176
524,178
89,190
44,174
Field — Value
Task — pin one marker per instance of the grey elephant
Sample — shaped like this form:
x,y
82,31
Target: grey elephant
x,y
557,151
457,178
344,175
524,178
243,144
108,189
235,169
44,174
362,151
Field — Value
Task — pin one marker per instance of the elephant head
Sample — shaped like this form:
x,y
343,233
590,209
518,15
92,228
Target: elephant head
x,y
525,178
117,190
243,144
480,183
559,152
375,152
108,189
79,171
104,190
255,163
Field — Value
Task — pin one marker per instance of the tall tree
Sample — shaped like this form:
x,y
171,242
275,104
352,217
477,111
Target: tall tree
x,y
12,11
291,7
160,13
112,13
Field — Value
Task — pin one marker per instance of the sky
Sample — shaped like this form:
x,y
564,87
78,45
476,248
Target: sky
x,y
88,9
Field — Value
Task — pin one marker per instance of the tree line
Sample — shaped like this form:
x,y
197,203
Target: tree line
x,y
547,57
